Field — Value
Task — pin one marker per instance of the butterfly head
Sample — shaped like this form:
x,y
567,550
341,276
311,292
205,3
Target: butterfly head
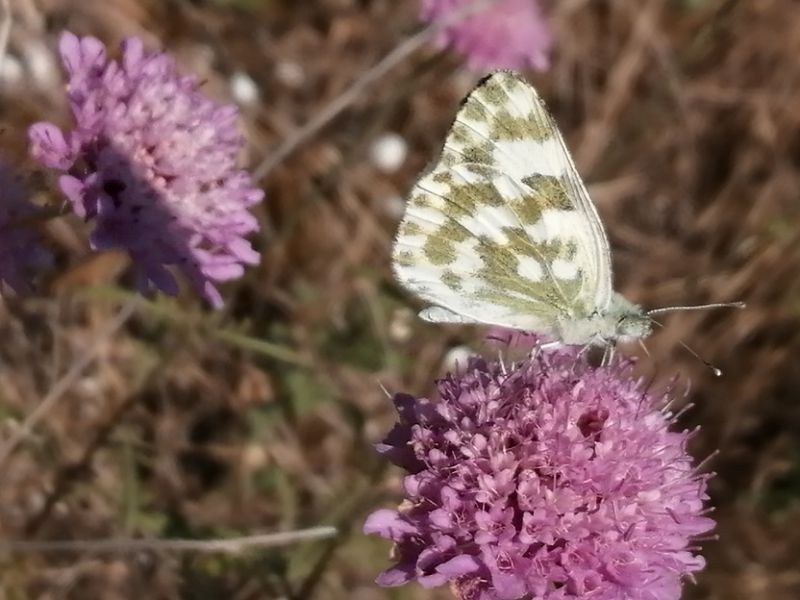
x,y
631,323
632,326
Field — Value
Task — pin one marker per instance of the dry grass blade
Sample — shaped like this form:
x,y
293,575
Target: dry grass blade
x,y
193,426
6,21
66,381
128,545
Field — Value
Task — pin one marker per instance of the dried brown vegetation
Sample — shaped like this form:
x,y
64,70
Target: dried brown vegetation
x,y
684,117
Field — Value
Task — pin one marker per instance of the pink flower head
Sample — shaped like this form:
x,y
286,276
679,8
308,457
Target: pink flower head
x,y
508,34
153,162
548,479
20,250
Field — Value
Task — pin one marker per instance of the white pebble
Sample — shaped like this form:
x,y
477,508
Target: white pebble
x,y
243,89
457,358
388,152
290,74
11,71
41,65
394,206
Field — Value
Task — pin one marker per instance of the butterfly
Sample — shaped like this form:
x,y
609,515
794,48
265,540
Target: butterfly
x,y
501,230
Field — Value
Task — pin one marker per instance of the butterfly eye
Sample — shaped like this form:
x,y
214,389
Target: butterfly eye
x,y
633,326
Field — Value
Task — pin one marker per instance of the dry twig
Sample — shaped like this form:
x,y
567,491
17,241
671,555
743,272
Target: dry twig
x,y
5,29
127,545
66,382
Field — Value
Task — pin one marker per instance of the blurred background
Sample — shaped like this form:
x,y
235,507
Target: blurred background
x,y
173,420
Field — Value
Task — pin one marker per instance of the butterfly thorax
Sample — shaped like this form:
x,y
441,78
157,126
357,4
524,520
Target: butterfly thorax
x,y
623,321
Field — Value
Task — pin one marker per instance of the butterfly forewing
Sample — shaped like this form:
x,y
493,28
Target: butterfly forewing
x,y
501,230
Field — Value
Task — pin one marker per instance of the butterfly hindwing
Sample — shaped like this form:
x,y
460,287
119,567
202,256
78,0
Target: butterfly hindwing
x,y
501,229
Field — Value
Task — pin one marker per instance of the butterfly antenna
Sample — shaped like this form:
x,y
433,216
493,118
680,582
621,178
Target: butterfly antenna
x,y
664,309
714,369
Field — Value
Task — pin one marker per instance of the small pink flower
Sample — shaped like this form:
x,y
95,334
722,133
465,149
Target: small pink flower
x,y
548,479
152,162
509,34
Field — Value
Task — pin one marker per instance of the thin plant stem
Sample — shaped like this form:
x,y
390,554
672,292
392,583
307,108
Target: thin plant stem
x,y
128,545
6,21
66,382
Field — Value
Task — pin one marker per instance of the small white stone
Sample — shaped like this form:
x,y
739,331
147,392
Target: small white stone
x,y
457,357
254,457
394,206
11,71
243,89
290,74
400,325
388,152
41,65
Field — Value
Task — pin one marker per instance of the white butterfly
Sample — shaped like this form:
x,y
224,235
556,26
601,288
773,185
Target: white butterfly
x,y
502,231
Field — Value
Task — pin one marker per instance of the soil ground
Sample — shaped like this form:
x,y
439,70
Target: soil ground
x,y
684,118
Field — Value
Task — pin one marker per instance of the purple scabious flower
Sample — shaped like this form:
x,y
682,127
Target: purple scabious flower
x,y
508,34
548,479
152,162
20,249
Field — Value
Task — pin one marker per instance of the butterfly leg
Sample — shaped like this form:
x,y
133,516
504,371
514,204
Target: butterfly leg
x,y
584,349
608,355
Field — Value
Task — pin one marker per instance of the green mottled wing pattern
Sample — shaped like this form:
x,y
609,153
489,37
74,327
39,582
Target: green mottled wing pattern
x,y
501,230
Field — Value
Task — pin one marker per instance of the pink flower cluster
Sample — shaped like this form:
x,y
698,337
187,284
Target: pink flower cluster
x,y
152,162
507,34
549,479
